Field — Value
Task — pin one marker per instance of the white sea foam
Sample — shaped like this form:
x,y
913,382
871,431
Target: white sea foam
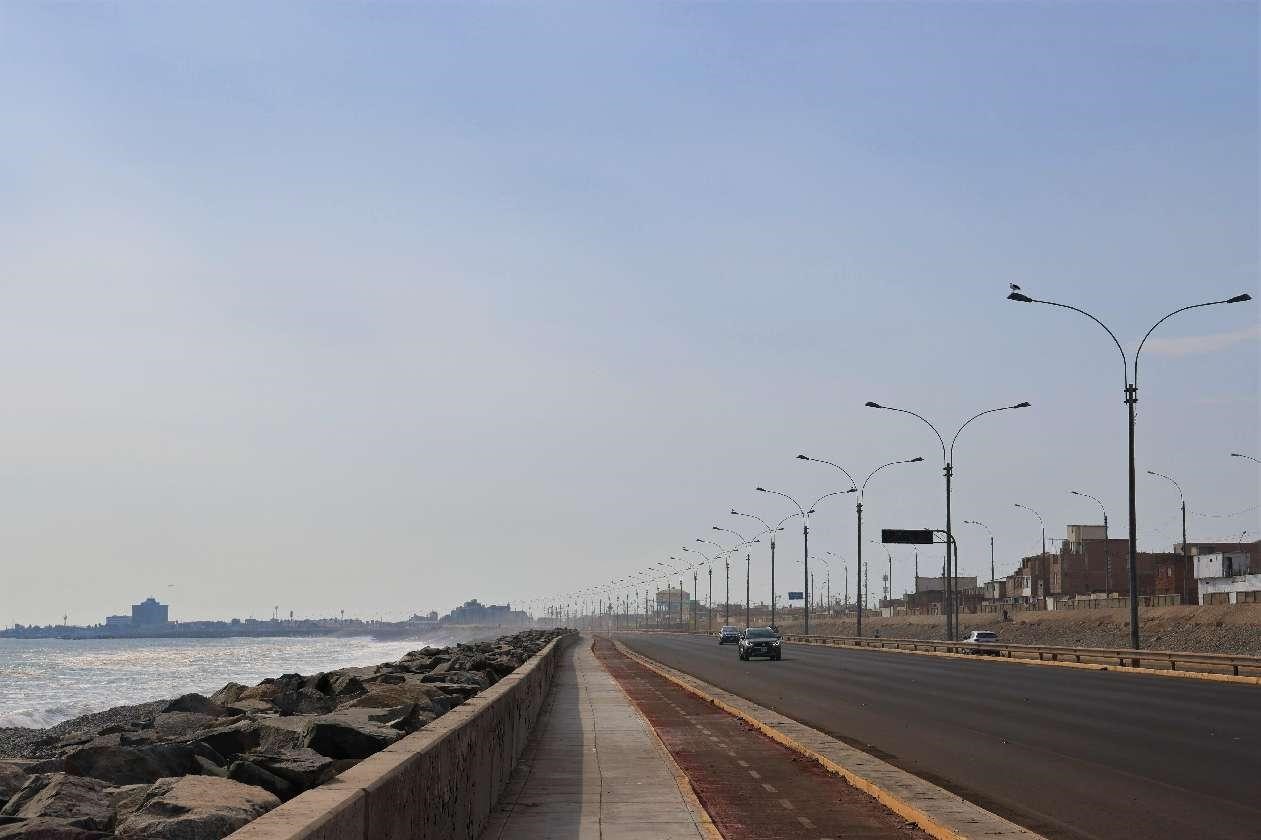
x,y
46,681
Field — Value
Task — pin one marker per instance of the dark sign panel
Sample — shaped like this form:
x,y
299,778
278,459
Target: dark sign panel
x,y
911,536
796,596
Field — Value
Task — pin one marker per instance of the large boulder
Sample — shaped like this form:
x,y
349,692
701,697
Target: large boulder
x,y
249,773
169,725
304,701
391,695
125,800
302,768
473,678
12,778
196,808
232,740
342,684
350,733
44,829
69,799
132,765
227,695
196,704
277,734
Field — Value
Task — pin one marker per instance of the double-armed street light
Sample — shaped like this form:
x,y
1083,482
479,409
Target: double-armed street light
x,y
727,551
858,508
1186,552
768,529
1131,398
947,458
805,540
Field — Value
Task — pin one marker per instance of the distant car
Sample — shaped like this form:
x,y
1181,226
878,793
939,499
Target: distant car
x,y
760,641
984,637
728,634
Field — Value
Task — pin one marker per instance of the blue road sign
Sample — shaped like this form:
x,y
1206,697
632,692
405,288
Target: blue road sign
x,y
796,596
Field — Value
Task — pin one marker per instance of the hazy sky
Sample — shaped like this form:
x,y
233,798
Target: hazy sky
x,y
383,307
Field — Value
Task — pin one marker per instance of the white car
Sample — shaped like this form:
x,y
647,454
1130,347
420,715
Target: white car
x,y
986,637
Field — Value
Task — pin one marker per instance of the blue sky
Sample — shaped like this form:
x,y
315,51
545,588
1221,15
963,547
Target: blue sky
x,y
383,307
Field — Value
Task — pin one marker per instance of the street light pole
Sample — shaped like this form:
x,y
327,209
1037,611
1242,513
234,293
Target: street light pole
x,y
747,561
1107,543
991,533
1040,521
1186,553
709,610
947,457
1131,397
1249,457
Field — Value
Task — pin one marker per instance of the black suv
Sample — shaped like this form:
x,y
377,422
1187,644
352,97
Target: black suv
x,y
728,634
760,641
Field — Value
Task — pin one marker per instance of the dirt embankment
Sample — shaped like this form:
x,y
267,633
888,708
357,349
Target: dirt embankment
x,y
1217,629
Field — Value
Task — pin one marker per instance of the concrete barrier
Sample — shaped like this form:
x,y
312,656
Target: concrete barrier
x,y
435,784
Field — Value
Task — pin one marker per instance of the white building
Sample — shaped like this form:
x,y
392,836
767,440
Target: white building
x,y
1221,564
1239,589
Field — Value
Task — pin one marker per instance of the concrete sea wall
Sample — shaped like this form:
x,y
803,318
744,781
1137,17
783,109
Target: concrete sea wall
x,y
440,783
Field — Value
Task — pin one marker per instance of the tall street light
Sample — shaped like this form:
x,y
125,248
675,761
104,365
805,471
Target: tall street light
x,y
858,507
770,529
805,540
991,533
1241,455
1107,545
947,457
1186,553
1041,522
1131,398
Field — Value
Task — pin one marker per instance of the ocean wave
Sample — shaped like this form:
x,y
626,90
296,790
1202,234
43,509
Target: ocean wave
x,y
46,717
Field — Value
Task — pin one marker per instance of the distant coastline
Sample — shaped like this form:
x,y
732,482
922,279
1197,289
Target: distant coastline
x,y
386,631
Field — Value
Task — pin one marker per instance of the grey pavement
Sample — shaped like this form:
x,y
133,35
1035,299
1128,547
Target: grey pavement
x,y
595,769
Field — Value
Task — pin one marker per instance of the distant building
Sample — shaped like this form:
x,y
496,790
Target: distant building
x,y
149,613
117,621
937,584
475,612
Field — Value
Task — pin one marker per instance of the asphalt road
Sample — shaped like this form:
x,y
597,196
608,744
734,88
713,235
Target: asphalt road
x,y
1068,753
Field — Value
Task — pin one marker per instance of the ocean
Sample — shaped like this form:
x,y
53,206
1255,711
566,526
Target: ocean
x,y
46,681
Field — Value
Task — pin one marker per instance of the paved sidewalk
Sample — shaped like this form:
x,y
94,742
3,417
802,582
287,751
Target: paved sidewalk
x,y
595,769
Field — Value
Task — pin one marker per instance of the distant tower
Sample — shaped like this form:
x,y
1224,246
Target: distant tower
x,y
275,613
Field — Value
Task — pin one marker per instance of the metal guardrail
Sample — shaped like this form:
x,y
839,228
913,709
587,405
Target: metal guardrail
x,y
1125,657
1122,656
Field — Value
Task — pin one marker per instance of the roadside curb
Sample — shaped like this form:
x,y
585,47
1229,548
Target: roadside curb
x,y
938,812
703,819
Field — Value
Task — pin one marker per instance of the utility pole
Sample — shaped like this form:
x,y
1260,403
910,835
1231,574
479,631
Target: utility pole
x,y
695,602
726,618
710,609
747,602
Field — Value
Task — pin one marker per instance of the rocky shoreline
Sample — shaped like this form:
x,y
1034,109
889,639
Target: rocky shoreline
x,y
198,768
